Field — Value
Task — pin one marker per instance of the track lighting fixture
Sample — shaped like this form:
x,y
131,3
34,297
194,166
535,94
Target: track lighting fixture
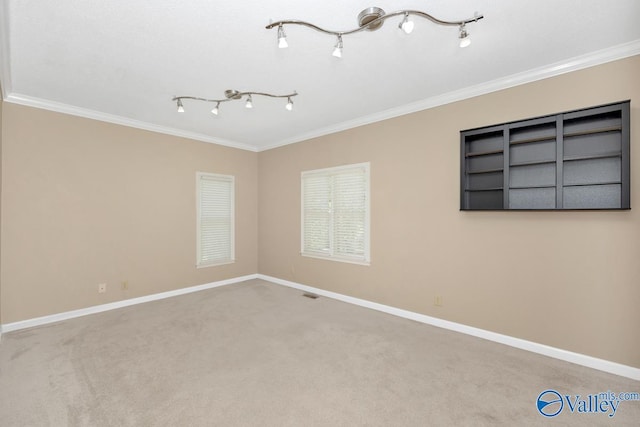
x,y
371,19
231,95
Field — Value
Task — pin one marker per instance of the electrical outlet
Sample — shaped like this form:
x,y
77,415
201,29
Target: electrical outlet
x,y
124,285
102,288
437,301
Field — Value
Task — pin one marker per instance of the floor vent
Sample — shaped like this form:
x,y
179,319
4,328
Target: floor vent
x,y
308,295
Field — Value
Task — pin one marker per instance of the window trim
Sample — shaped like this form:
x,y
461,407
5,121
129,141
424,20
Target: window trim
x,y
232,257
366,258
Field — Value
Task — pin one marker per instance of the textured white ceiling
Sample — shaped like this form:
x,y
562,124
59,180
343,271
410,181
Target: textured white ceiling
x,y
123,61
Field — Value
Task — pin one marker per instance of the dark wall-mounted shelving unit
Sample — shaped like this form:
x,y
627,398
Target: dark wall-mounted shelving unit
x,y
573,160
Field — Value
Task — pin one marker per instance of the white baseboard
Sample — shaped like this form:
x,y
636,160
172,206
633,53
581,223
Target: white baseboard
x,y
557,353
38,321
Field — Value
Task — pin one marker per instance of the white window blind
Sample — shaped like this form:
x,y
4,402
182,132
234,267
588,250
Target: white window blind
x,y
335,213
215,233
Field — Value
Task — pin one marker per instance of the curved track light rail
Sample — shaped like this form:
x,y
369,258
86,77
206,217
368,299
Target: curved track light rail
x,y
232,95
375,23
372,18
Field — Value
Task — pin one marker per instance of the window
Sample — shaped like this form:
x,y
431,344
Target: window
x,y
215,223
335,213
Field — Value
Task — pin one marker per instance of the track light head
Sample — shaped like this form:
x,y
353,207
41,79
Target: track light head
x,y
406,25
216,109
282,38
249,103
465,38
180,106
289,105
337,50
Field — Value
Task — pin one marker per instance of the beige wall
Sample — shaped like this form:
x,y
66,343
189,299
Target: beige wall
x,y
86,202
1,105
570,280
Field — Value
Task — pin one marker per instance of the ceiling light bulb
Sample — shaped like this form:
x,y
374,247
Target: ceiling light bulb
x,y
465,38
289,105
249,103
337,51
180,106
282,38
216,109
406,25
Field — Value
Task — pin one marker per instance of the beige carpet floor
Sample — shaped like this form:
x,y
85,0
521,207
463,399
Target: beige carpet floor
x,y
258,354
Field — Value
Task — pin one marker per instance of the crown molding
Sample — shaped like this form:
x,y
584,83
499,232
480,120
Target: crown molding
x,y
573,64
110,118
